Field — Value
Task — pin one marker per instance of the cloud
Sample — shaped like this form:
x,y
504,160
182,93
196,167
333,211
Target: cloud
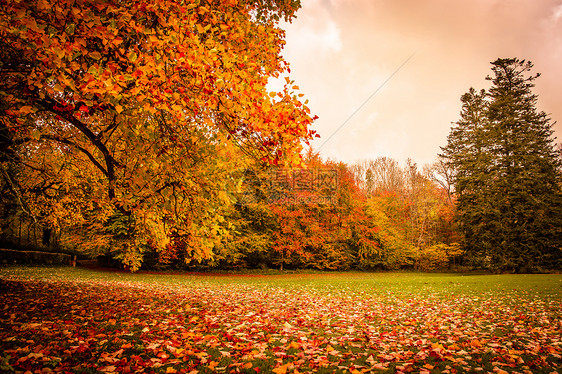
x,y
341,51
314,33
557,13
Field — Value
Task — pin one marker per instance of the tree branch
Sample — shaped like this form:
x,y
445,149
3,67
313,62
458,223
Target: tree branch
x,y
81,149
110,162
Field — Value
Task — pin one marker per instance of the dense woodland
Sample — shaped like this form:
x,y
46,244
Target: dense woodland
x,y
142,132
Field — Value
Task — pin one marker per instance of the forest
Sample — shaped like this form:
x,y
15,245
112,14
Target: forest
x,y
143,134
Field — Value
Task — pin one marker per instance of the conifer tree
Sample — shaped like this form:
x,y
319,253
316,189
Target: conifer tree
x,y
507,173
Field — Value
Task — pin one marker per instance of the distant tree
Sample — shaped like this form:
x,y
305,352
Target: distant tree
x,y
381,174
441,173
506,173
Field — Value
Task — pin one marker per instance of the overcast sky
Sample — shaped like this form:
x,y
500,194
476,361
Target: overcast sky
x,y
429,52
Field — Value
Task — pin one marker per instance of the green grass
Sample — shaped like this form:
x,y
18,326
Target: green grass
x,y
404,284
86,320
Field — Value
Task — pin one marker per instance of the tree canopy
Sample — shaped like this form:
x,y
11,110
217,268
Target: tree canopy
x,y
122,119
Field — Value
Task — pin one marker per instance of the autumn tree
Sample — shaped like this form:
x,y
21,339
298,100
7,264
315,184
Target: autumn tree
x,y
380,174
441,173
315,224
507,173
124,117
412,213
308,217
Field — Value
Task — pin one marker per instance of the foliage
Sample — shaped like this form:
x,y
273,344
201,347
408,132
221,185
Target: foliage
x,y
84,321
389,213
120,120
252,242
434,257
507,174
350,229
412,212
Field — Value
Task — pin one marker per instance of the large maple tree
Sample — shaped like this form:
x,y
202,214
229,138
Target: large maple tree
x,y
122,119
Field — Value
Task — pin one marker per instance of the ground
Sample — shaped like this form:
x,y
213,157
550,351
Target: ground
x,y
87,320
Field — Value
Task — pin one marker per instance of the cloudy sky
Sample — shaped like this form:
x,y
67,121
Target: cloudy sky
x,y
413,59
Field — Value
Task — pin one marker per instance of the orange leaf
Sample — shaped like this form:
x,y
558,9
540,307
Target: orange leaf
x,y
281,369
294,345
476,343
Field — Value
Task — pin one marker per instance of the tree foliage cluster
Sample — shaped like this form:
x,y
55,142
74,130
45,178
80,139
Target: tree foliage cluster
x,y
119,120
404,227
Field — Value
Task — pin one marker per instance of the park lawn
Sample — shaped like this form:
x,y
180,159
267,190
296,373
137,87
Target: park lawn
x,y
86,320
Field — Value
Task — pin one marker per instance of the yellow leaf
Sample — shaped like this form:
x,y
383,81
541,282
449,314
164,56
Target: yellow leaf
x,y
93,70
35,134
70,29
171,370
437,346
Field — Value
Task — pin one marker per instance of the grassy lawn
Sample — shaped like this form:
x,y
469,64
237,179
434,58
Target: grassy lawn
x,y
83,320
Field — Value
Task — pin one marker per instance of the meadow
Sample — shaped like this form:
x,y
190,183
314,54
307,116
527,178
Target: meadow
x,y
78,320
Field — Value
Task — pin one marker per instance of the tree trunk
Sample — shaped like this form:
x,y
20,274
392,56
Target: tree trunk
x,y
46,238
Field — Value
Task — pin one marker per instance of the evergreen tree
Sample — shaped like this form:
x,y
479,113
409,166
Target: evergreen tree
x,y
507,173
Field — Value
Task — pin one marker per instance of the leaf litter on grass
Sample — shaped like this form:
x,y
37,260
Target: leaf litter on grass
x,y
109,326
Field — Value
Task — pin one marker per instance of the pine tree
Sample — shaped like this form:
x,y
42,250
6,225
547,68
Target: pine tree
x,y
507,173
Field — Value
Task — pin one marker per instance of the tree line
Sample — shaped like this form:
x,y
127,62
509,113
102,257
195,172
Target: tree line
x,y
144,132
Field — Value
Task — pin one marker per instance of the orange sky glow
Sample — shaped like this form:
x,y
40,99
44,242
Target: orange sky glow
x,y
414,59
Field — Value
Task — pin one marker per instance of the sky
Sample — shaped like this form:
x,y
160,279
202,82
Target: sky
x,y
385,77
